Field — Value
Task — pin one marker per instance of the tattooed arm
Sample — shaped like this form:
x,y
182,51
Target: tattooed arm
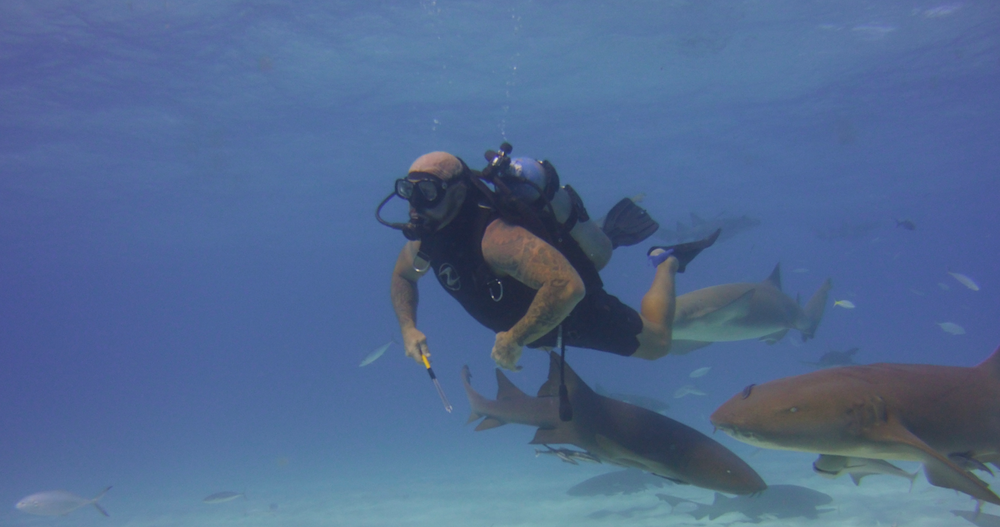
x,y
512,250
403,290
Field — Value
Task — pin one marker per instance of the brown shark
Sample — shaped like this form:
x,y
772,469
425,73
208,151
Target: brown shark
x,y
936,415
743,311
615,432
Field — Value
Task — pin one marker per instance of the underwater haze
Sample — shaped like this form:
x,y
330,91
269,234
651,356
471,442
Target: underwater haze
x,y
191,269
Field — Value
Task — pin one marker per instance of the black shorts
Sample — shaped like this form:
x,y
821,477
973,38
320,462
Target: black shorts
x,y
600,322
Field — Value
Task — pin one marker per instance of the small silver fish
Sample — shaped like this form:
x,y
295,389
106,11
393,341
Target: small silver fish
x,y
687,390
568,456
944,286
700,372
846,304
375,354
224,496
58,503
965,280
832,466
951,327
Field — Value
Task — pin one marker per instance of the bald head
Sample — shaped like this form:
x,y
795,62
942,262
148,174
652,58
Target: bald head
x,y
440,164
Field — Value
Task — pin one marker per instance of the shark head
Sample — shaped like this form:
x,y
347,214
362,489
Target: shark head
x,y
806,413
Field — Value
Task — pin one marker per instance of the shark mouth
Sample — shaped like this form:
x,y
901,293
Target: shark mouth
x,y
745,436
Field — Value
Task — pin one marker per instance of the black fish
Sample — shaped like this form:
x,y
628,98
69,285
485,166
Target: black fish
x,y
779,501
906,224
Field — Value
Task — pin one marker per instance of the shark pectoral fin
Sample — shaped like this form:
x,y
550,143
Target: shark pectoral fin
x,y
940,471
946,474
775,337
473,417
683,347
489,422
556,436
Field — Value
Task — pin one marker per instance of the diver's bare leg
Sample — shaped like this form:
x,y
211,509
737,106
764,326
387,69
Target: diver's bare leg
x,y
658,306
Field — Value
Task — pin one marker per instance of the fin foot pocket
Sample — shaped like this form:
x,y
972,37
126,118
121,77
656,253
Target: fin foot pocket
x,y
685,252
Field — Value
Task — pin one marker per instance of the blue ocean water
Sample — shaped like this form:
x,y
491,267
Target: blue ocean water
x,y
190,268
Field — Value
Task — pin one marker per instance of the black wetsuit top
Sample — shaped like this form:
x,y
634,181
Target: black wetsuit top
x,y
599,321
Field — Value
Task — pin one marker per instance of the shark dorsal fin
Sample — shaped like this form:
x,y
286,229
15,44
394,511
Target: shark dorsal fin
x,y
573,382
992,364
506,389
775,277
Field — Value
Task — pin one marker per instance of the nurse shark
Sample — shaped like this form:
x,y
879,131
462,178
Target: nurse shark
x,y
743,311
946,417
615,432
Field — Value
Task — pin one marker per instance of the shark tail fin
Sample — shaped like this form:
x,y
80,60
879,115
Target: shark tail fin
x,y
814,310
97,505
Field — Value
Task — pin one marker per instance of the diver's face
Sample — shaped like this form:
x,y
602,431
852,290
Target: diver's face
x,y
436,213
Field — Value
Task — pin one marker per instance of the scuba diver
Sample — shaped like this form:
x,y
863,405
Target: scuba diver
x,y
521,255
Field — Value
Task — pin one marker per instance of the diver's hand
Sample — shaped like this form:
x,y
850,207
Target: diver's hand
x,y
506,352
415,344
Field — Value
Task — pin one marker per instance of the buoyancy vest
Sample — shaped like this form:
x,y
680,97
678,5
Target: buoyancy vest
x,y
456,258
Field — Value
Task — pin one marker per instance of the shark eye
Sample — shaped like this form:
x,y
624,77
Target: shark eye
x,y
793,409
747,390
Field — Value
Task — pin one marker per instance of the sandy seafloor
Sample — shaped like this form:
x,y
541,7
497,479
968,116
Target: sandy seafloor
x,y
526,492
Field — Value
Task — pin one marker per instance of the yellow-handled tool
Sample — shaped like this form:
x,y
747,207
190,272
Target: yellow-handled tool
x,y
437,384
